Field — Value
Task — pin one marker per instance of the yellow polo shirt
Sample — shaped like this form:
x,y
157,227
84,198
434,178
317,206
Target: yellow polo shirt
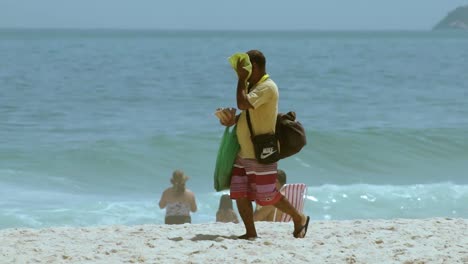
x,y
264,99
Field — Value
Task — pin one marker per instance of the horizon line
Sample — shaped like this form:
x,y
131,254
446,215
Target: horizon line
x,y
216,30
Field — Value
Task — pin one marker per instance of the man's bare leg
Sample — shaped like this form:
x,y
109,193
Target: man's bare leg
x,y
299,219
245,208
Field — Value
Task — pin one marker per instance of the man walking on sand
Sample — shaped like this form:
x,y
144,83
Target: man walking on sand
x,y
251,180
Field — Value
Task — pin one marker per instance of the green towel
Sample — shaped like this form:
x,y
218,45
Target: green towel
x,y
245,61
227,154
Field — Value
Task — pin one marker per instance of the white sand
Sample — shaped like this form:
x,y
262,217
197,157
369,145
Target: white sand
x,y
435,240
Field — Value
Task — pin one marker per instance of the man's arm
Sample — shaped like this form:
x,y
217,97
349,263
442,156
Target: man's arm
x,y
242,101
163,201
242,74
193,203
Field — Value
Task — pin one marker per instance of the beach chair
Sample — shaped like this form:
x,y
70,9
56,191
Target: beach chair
x,y
295,193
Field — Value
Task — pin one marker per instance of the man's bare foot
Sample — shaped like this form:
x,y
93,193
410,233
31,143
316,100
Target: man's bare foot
x,y
247,237
300,228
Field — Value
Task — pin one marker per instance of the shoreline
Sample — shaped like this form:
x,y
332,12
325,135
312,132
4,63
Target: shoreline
x,y
417,241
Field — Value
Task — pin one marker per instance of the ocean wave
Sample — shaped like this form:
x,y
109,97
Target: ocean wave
x,y
357,201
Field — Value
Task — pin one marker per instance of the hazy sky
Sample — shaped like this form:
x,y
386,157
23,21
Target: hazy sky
x,y
219,14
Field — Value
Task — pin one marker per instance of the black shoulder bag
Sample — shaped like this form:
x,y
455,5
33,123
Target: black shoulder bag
x,y
265,145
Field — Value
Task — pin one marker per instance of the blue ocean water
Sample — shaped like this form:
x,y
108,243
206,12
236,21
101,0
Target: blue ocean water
x,y
93,122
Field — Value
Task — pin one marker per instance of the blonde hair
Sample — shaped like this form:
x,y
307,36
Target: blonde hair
x,y
178,176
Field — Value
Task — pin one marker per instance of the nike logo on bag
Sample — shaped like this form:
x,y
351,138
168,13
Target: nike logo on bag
x,y
267,153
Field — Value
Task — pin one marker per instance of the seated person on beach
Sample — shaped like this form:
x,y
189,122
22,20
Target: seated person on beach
x,y
225,212
267,213
178,200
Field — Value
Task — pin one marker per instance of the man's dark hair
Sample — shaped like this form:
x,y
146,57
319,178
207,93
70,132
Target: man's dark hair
x,y
281,177
257,57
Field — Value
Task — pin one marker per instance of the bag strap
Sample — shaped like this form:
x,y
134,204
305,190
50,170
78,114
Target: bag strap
x,y
249,123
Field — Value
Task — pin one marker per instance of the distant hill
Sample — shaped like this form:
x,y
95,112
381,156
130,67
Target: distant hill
x,y
457,19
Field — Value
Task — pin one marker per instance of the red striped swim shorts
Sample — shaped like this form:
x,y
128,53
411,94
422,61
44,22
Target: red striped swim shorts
x,y
254,181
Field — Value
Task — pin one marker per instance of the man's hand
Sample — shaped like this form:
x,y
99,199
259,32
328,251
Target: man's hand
x,y
228,123
242,73
227,116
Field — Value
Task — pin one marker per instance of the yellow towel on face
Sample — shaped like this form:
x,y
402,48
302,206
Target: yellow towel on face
x,y
246,64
